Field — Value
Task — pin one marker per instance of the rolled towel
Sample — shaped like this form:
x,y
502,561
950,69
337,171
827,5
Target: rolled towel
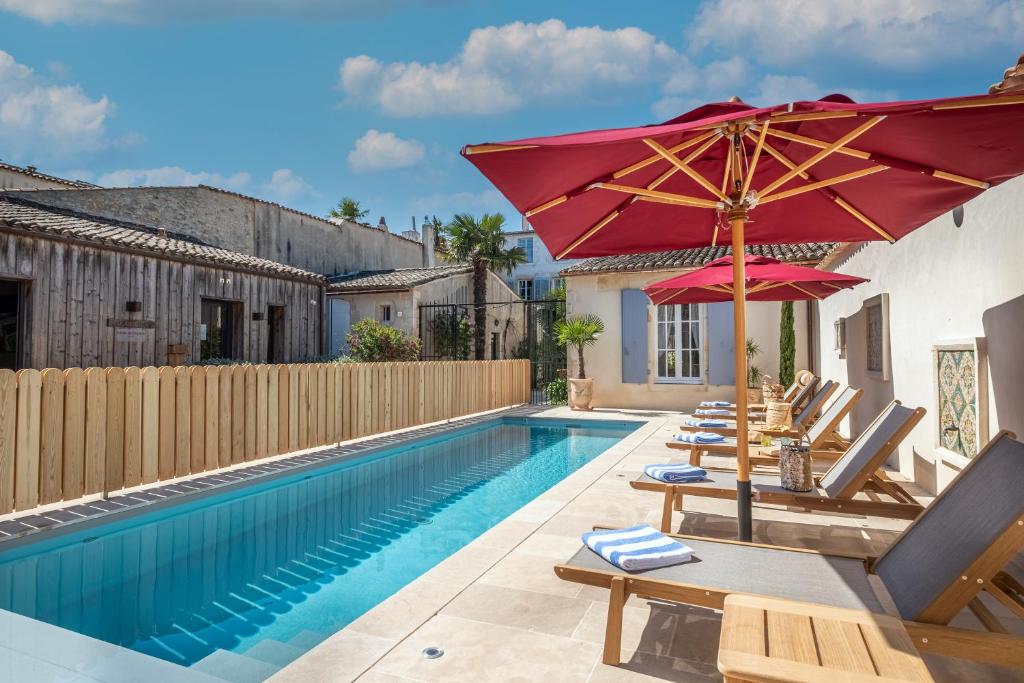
x,y
637,548
715,404
710,411
699,437
676,474
706,423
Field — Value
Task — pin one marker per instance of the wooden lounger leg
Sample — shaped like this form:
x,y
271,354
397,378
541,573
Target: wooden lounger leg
x,y
695,455
613,630
666,509
678,502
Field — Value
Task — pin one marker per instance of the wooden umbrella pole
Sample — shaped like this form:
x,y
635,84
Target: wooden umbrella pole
x,y
737,218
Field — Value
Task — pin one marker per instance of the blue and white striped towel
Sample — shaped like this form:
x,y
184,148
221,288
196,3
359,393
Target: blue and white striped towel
x,y
707,423
676,474
699,437
715,404
710,411
637,548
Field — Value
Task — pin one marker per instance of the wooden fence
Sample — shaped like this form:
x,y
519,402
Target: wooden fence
x,y
69,433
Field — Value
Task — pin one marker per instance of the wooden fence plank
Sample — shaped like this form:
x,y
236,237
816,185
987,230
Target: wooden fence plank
x,y
165,462
74,433
321,405
293,408
250,413
26,456
273,409
262,375
95,429
346,402
303,407
114,456
133,426
197,419
212,419
224,426
51,438
8,426
237,414
150,424
182,421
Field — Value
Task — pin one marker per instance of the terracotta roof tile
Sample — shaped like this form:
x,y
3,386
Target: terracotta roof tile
x,y
693,258
393,280
33,173
24,215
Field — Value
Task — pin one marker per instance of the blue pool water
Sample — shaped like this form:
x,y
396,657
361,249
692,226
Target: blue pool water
x,y
295,559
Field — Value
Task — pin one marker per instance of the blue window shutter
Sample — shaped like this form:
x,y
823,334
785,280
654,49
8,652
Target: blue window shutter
x,y
541,287
721,357
634,336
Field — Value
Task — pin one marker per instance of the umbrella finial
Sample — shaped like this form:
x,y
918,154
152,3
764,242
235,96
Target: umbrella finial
x,y
1013,80
735,98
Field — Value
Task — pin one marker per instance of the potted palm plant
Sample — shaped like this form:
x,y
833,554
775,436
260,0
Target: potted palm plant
x,y
579,331
753,373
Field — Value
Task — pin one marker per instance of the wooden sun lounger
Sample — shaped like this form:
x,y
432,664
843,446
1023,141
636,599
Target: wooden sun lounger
x,y
954,550
856,471
826,441
803,421
796,395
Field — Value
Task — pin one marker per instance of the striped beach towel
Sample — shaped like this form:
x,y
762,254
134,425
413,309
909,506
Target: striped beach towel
x,y
637,548
676,474
706,423
715,404
699,437
711,411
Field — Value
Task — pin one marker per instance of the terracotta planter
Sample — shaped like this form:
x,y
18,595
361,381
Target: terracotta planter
x,y
581,393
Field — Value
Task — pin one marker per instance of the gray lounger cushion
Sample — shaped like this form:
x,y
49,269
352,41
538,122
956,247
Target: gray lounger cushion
x,y
813,404
727,480
952,532
736,568
805,392
866,447
836,408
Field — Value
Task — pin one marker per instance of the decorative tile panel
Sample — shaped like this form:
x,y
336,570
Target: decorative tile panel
x,y
958,401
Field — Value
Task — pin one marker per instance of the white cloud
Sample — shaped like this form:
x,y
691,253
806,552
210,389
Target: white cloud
x,y
285,185
156,11
169,176
502,68
778,89
447,204
40,117
380,151
893,33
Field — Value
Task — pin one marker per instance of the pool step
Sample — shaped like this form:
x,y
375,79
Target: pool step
x,y
307,640
274,652
230,666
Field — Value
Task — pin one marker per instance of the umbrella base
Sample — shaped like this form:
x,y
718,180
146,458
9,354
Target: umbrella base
x,y
744,521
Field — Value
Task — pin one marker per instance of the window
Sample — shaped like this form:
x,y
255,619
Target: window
x,y
524,287
876,313
840,337
680,340
557,283
384,313
217,329
526,244
11,295
541,288
275,334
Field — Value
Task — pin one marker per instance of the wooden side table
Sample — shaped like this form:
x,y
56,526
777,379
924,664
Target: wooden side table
x,y
769,640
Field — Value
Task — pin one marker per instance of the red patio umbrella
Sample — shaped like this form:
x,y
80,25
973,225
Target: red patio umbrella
x,y
768,279
829,170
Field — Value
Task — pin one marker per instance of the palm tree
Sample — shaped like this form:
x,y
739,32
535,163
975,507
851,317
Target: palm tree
x,y
482,244
579,331
349,209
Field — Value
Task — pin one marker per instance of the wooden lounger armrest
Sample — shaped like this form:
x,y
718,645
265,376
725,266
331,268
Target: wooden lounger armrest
x,y
990,648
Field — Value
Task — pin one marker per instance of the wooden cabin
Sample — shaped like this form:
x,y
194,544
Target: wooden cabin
x,y
78,290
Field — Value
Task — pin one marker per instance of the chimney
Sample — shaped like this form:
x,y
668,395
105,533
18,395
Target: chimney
x,y
429,257
382,225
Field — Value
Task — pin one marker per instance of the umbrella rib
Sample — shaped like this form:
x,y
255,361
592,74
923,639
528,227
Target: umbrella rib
x,y
786,161
488,148
783,117
805,291
992,101
683,164
827,182
753,159
589,233
546,205
657,195
861,154
832,147
672,150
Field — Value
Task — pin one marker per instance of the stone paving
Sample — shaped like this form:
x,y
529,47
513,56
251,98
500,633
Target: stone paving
x,y
499,613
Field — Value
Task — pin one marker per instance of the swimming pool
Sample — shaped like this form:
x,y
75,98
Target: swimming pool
x,y
271,569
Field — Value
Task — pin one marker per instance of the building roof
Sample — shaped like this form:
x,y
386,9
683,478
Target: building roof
x,y
63,224
811,252
33,173
394,280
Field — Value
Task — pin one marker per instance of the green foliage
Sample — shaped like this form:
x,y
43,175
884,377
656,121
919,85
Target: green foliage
x,y
222,361
787,345
371,342
557,392
579,331
753,372
451,334
349,209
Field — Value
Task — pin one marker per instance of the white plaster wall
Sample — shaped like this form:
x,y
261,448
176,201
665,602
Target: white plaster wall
x,y
600,294
12,180
543,266
945,284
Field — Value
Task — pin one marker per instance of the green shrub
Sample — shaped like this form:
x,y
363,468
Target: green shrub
x,y
787,345
557,392
222,361
371,342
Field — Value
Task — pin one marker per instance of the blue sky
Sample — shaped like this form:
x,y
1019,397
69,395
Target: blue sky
x,y
305,101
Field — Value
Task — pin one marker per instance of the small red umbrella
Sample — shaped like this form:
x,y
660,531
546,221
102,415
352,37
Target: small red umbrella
x,y
767,280
832,170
